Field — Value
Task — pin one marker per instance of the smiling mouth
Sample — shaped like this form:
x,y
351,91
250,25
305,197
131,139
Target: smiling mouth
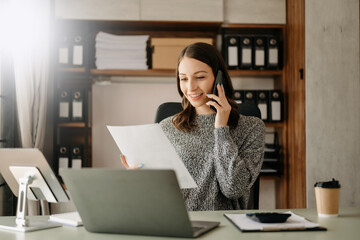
x,y
195,96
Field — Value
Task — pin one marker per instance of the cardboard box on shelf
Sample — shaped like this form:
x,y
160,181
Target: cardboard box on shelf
x,y
165,51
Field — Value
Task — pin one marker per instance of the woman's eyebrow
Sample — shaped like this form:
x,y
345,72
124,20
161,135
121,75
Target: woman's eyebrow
x,y
201,71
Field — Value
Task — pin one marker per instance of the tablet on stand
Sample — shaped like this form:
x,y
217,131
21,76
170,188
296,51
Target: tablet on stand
x,y
30,177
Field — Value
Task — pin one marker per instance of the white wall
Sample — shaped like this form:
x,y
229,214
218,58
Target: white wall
x,y
333,97
129,101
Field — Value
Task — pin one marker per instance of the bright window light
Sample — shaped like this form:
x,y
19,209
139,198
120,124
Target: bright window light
x,y
24,25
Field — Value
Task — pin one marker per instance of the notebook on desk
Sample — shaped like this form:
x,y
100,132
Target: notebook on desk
x,y
140,202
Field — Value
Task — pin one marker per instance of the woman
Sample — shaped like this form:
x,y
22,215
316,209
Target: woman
x,y
221,149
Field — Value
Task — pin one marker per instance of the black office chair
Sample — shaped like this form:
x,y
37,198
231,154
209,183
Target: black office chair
x,y
171,108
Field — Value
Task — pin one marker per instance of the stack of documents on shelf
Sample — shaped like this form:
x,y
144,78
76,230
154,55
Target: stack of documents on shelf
x,y
70,219
293,223
121,52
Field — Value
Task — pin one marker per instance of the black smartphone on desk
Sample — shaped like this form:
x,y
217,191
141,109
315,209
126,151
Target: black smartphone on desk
x,y
218,80
268,217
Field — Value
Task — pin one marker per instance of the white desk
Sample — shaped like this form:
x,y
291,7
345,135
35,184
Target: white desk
x,y
346,226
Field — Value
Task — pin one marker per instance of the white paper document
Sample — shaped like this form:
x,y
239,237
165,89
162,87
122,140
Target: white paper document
x,y
148,144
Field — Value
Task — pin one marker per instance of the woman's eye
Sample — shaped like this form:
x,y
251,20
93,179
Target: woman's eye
x,y
200,77
182,79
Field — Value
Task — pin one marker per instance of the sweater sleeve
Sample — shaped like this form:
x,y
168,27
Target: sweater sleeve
x,y
237,167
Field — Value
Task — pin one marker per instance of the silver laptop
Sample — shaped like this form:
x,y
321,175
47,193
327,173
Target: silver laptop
x,y
140,202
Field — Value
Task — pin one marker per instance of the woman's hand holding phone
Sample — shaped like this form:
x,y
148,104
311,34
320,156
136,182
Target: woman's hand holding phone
x,y
222,106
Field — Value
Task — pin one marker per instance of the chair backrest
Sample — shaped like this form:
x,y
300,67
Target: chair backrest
x,y
171,108
166,110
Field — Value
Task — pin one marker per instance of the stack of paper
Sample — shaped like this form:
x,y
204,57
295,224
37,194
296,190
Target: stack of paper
x,y
121,52
70,219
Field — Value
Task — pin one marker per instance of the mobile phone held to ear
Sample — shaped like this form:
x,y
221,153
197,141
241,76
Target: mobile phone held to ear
x,y
218,80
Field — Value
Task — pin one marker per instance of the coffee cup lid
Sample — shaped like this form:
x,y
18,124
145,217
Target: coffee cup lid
x,y
331,184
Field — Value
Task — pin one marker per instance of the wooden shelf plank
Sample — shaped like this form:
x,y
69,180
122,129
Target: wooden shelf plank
x,y
72,70
255,73
275,124
234,25
72,124
171,72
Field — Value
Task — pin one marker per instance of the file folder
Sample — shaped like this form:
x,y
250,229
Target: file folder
x,y
273,52
272,156
276,101
78,51
76,156
232,52
63,157
259,53
246,55
263,103
64,105
77,105
239,96
63,51
250,96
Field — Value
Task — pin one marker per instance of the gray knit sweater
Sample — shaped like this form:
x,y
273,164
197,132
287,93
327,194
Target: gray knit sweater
x,y
224,163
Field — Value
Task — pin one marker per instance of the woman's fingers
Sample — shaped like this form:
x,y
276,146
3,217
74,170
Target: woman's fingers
x,y
124,162
221,91
222,106
140,165
214,104
218,101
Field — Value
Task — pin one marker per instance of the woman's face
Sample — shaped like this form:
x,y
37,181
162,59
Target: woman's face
x,y
196,80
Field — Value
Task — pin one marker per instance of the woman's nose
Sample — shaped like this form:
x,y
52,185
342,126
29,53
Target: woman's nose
x,y
192,84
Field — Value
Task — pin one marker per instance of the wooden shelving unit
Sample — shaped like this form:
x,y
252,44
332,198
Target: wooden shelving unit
x,y
280,82
174,29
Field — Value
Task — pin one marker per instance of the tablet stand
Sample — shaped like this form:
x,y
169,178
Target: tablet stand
x,y
31,176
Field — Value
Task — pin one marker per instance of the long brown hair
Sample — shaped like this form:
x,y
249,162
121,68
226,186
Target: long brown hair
x,y
208,54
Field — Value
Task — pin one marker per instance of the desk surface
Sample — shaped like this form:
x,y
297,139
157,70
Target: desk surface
x,y
346,226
